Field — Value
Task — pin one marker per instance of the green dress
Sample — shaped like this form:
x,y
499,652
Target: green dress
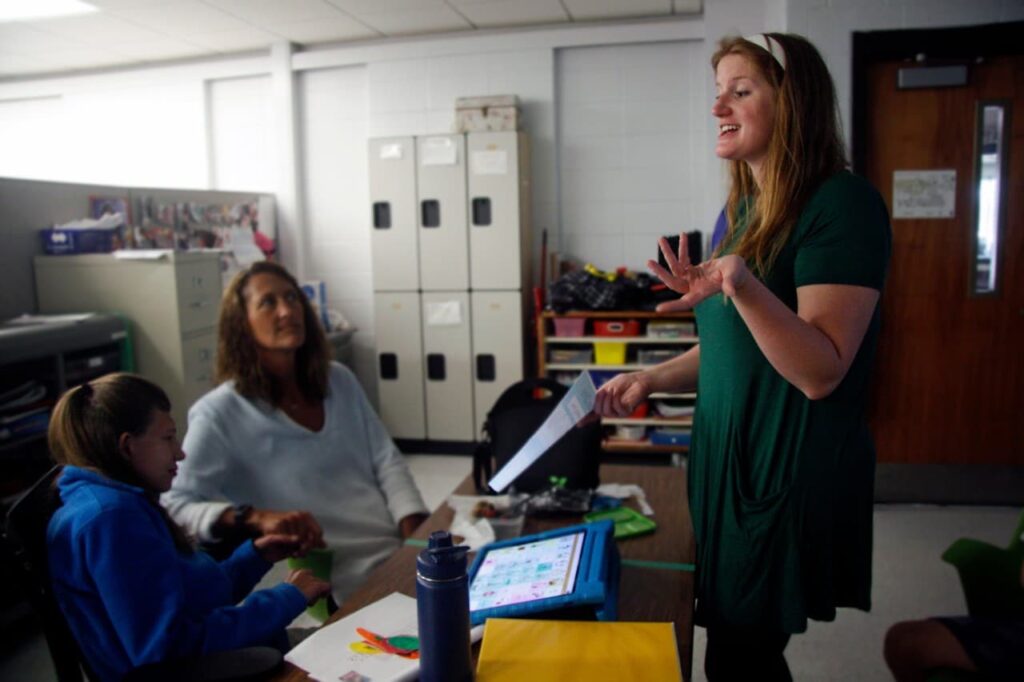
x,y
781,486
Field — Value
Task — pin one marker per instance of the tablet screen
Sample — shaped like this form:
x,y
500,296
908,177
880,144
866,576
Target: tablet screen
x,y
522,573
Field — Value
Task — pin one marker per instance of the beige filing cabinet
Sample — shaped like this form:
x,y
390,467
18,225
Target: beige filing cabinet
x,y
172,304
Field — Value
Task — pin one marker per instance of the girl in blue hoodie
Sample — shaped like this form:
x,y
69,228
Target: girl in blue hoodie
x,y
131,584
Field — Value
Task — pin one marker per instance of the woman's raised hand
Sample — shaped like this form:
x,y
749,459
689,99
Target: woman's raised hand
x,y
727,274
620,395
312,588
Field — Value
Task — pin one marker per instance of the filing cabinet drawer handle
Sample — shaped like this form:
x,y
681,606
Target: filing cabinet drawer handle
x,y
200,304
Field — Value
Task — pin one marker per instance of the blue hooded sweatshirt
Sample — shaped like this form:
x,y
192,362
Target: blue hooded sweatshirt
x,y
131,598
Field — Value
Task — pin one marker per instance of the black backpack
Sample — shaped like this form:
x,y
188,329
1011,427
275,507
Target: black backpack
x,y
516,415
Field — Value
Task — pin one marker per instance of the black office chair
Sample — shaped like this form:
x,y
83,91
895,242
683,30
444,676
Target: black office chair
x,y
25,540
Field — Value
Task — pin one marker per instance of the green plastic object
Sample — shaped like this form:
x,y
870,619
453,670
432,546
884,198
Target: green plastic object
x,y
627,521
990,575
319,561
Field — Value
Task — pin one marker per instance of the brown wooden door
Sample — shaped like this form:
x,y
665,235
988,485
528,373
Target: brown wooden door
x,y
950,369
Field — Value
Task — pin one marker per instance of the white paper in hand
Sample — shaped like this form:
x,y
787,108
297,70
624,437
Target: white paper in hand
x,y
574,406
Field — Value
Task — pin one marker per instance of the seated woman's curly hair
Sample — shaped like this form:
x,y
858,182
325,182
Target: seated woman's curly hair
x,y
237,359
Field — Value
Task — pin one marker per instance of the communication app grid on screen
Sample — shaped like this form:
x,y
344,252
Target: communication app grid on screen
x,y
527,572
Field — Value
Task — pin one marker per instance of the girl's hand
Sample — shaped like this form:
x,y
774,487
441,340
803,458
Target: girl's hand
x,y
312,588
301,524
620,395
273,548
727,274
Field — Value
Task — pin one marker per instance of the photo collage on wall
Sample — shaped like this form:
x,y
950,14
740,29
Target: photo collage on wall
x,y
193,225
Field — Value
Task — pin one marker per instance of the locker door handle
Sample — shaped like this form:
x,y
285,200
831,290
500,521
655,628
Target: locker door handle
x,y
381,215
481,211
430,213
485,370
388,366
435,366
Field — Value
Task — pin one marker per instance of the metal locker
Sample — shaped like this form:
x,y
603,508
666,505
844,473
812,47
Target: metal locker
x,y
393,232
499,208
441,212
446,361
498,333
400,364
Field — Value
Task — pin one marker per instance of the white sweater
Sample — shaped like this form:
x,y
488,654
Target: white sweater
x,y
349,475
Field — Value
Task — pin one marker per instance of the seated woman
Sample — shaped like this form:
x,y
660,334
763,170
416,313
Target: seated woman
x,y
131,585
288,441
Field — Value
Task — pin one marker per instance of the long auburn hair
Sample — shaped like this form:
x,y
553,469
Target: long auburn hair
x,y
86,427
237,359
805,148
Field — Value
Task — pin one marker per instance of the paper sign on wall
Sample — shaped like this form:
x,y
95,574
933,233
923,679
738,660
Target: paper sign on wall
x,y
924,194
489,162
444,314
391,151
438,151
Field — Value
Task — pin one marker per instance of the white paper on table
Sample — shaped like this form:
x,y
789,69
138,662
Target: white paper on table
x,y
574,406
327,653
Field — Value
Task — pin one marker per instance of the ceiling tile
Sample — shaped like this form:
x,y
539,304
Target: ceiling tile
x,y
232,41
125,4
359,7
19,38
76,58
687,6
493,13
179,19
584,10
325,30
269,12
97,29
17,65
434,20
155,50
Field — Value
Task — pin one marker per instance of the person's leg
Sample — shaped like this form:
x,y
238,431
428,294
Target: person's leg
x,y
913,648
742,653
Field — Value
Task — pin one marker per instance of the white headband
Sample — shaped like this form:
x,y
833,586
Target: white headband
x,y
769,45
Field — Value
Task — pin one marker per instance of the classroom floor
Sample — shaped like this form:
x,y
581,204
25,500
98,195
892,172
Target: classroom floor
x,y
910,581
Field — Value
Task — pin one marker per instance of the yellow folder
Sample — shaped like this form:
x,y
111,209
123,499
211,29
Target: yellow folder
x,y
516,650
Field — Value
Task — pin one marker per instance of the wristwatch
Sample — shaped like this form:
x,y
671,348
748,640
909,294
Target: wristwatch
x,y
239,513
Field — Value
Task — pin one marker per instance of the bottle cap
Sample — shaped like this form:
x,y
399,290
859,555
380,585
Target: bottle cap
x,y
440,560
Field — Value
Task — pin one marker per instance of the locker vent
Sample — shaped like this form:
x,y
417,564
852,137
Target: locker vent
x,y
430,211
381,215
481,211
435,366
485,367
388,366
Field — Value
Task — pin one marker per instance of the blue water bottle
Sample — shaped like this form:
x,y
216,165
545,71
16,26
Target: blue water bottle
x,y
442,609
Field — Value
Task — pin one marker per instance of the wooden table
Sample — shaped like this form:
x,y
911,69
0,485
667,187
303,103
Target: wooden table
x,y
657,569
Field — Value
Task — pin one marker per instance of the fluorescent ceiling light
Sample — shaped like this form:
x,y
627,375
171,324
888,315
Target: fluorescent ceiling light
x,y
17,10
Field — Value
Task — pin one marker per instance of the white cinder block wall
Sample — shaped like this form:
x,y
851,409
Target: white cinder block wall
x,y
632,126
618,116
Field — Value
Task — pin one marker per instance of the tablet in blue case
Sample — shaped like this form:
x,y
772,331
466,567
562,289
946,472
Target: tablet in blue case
x,y
572,570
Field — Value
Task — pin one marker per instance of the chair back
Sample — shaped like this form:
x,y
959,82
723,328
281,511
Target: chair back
x,y
25,538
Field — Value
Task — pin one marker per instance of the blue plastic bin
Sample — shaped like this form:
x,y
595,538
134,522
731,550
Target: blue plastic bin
x,y
61,242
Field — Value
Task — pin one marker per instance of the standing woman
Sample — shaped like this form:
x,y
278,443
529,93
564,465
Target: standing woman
x,y
288,442
781,464
129,582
